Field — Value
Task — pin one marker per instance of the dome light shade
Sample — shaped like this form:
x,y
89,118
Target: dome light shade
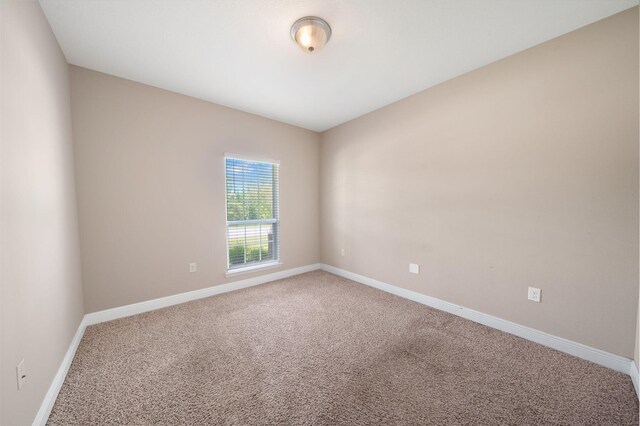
x,y
311,33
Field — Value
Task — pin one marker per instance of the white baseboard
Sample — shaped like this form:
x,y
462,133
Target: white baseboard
x,y
633,372
579,350
50,397
163,302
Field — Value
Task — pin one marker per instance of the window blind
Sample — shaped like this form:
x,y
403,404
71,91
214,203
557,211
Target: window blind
x,y
253,223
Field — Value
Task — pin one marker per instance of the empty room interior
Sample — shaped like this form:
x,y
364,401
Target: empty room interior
x,y
340,212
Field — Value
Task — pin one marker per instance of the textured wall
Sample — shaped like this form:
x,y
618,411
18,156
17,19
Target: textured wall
x,y
636,357
521,173
636,354
42,291
151,195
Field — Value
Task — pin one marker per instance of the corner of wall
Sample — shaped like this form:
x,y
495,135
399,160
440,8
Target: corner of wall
x,y
42,290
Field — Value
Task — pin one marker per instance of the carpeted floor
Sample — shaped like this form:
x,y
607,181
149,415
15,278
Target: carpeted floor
x,y
322,350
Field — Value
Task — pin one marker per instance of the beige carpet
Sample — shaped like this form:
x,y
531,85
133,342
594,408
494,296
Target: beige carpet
x,y
318,349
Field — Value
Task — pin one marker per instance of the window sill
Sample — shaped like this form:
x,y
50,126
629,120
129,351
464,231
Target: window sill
x,y
251,269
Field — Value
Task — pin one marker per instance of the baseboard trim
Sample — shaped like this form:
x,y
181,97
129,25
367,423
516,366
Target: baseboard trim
x,y
633,372
606,359
163,302
52,393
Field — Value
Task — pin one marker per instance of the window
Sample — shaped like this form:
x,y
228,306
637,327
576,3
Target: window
x,y
252,213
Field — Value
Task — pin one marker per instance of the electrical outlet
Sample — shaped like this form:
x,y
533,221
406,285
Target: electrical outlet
x,y
534,294
342,252
193,267
414,268
21,374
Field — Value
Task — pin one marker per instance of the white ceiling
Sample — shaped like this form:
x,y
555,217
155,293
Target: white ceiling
x,y
239,53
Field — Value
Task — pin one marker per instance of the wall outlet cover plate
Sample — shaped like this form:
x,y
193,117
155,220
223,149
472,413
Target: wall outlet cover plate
x,y
534,294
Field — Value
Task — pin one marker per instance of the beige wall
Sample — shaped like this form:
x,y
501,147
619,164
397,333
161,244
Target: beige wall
x,y
151,196
636,356
42,292
521,173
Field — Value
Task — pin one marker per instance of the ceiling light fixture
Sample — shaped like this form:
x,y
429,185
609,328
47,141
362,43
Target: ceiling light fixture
x,y
311,33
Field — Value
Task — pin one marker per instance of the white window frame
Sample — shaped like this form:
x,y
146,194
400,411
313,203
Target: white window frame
x,y
275,263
